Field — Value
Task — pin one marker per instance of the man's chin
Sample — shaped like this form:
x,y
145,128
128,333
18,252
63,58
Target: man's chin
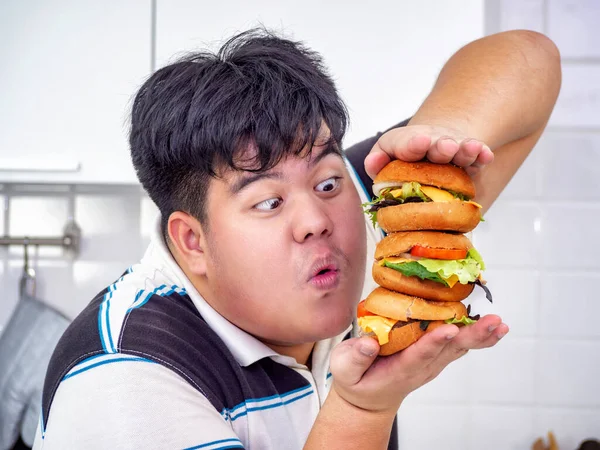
x,y
332,328
326,331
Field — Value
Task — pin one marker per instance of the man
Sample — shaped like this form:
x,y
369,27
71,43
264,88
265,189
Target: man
x,y
230,331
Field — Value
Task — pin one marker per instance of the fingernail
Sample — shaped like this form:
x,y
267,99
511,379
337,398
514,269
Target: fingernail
x,y
500,335
450,336
367,350
492,328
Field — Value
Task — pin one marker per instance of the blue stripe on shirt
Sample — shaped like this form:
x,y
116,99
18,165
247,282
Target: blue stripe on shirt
x,y
110,340
264,399
273,405
236,443
101,363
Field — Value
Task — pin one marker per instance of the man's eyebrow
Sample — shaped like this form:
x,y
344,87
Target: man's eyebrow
x,y
244,181
330,149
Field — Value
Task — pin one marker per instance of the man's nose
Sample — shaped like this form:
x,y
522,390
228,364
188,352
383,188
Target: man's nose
x,y
311,219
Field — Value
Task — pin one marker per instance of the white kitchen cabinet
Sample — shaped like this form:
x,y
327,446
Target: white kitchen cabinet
x,y
384,56
68,72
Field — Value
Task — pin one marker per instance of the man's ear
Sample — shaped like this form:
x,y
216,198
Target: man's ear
x,y
187,241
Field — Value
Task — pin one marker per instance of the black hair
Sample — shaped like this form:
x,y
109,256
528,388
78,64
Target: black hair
x,y
195,117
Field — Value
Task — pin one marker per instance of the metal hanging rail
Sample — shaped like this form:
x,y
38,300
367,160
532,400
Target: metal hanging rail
x,y
70,239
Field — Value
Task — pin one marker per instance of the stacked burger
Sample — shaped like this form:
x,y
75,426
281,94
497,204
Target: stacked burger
x,y
425,266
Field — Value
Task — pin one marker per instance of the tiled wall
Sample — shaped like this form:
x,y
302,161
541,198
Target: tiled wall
x,y
541,241
115,223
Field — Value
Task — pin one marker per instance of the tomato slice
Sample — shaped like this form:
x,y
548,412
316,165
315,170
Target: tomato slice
x,y
438,253
361,311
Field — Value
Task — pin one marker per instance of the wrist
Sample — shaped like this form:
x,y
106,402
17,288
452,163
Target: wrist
x,y
376,417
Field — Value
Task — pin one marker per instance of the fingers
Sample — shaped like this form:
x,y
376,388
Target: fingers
x,y
485,157
466,153
427,349
351,359
443,150
485,333
414,143
469,152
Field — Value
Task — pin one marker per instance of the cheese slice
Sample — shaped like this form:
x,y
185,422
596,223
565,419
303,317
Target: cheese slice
x,y
474,203
393,260
437,195
396,192
381,326
452,280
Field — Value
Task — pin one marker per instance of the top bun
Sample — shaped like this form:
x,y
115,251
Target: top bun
x,y
443,176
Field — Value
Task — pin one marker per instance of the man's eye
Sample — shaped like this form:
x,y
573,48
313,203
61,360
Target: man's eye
x,y
269,205
330,184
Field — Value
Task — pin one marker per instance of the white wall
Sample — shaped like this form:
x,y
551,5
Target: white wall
x,y
384,55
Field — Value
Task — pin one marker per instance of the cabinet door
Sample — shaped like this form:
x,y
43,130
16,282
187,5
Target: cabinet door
x,y
384,55
68,72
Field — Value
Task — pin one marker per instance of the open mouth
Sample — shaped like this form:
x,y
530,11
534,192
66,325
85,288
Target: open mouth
x,y
326,277
325,270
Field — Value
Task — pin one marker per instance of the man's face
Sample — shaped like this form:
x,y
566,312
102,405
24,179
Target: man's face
x,y
286,249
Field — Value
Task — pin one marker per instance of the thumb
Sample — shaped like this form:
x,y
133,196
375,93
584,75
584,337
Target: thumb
x,y
351,359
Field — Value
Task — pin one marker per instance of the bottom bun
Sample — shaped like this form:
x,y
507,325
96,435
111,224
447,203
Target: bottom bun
x,y
405,335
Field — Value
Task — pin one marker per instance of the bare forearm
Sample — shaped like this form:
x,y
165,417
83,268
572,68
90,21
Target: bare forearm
x,y
341,425
498,89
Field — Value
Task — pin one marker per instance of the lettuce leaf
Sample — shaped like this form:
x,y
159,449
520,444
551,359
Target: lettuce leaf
x,y
372,214
472,253
411,190
465,320
467,270
414,269
459,196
